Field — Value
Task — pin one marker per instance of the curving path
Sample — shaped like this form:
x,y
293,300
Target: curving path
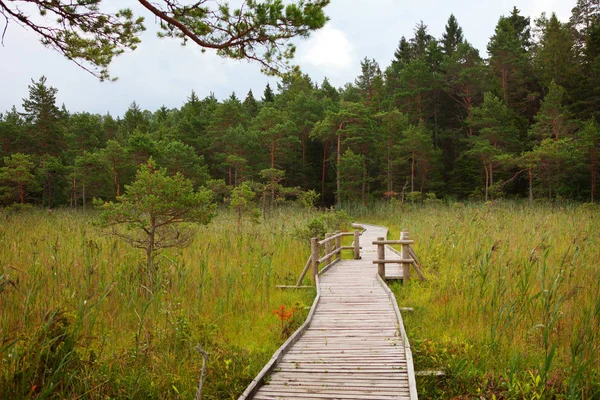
x,y
354,346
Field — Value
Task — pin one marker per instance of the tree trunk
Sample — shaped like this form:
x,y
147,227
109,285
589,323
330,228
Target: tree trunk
x,y
423,179
229,176
83,193
594,173
149,255
530,170
22,194
412,174
338,177
303,140
505,84
364,182
390,187
487,180
115,178
273,150
468,102
323,171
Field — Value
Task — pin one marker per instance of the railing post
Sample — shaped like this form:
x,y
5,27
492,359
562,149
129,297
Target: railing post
x,y
356,245
338,245
381,257
328,248
405,255
314,254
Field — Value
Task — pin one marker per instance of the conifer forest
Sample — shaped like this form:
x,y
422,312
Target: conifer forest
x,y
440,119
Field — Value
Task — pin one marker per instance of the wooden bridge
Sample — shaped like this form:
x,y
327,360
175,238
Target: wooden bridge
x,y
353,344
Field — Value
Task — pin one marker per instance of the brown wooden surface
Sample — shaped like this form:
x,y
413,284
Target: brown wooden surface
x,y
354,346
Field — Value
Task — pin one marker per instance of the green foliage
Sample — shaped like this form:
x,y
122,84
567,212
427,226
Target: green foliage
x,y
327,222
18,174
243,202
428,122
152,208
259,31
308,198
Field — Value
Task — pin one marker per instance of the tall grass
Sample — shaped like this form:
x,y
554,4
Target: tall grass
x,y
512,305
76,320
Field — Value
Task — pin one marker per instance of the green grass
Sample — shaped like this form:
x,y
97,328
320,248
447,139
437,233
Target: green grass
x,y
77,321
512,305
511,308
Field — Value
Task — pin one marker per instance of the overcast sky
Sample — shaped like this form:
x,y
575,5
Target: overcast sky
x,y
162,72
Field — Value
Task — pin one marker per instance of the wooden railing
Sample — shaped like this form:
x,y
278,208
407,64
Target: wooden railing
x,y
332,245
407,256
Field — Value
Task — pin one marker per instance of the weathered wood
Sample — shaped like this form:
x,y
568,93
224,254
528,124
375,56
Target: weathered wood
x,y
328,244
336,236
338,244
416,264
293,287
380,257
382,241
395,261
405,255
314,256
327,257
354,347
255,384
356,245
304,271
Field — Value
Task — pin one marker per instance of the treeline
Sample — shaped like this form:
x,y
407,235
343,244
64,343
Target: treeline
x,y
440,120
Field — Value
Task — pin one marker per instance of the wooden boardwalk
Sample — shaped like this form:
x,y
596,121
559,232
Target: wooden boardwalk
x,y
353,345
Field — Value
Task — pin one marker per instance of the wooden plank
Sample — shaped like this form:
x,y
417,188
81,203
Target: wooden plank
x,y
354,347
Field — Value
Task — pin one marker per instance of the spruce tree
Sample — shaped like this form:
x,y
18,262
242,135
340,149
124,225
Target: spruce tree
x,y
250,104
46,130
268,95
452,37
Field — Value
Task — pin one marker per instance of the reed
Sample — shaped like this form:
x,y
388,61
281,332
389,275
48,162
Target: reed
x,y
76,320
511,308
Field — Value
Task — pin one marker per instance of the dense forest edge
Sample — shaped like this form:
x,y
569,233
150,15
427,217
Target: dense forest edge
x,y
440,121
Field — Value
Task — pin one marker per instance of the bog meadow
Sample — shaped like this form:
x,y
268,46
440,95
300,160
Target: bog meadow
x,y
140,254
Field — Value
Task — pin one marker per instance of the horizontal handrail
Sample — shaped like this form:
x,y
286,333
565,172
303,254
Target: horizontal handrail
x,y
327,256
393,241
333,237
399,261
333,246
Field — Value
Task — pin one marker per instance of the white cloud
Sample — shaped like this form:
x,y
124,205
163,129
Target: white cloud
x,y
328,47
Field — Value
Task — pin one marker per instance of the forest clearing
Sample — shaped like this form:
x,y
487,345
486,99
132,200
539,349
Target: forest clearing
x,y
510,307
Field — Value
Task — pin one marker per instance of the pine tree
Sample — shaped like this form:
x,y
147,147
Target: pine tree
x,y
552,120
465,78
152,208
17,174
370,84
588,140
